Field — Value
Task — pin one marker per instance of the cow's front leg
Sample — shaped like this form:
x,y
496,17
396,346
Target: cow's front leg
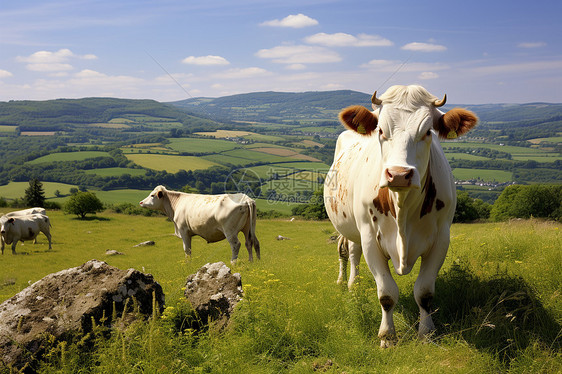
x,y
186,237
424,288
235,246
387,289
15,242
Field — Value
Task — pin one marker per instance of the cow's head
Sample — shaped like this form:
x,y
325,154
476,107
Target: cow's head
x,y
5,224
154,200
404,122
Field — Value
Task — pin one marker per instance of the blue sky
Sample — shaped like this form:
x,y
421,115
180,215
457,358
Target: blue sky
x,y
474,51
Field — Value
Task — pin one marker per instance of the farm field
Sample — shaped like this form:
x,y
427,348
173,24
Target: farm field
x,y
69,156
198,145
16,190
518,153
498,303
172,164
500,176
115,172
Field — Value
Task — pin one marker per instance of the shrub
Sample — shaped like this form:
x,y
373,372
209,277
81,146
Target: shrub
x,y
540,201
82,203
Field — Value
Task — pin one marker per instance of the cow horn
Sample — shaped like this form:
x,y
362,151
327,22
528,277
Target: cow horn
x,y
438,103
374,99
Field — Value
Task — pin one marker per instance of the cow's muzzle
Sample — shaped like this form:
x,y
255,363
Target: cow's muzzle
x,y
398,176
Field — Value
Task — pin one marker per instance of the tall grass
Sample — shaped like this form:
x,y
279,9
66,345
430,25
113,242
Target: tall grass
x,y
498,303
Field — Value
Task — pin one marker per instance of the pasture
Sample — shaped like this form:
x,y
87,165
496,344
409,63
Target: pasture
x,y
172,164
498,300
69,156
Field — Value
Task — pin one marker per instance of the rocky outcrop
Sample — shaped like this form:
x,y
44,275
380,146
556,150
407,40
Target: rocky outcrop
x,y
66,302
214,292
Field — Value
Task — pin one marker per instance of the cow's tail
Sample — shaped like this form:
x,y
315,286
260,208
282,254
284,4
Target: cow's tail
x,y
253,216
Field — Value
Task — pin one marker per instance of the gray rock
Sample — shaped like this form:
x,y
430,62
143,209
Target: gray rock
x,y
214,292
113,252
143,244
64,303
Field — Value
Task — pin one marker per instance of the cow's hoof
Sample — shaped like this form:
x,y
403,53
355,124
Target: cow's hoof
x,y
387,343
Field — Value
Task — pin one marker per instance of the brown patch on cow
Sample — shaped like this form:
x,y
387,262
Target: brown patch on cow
x,y
334,205
439,204
371,211
386,303
374,218
344,215
367,159
430,194
383,202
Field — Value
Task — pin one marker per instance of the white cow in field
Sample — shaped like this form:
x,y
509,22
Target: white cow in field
x,y
24,228
390,192
19,213
212,217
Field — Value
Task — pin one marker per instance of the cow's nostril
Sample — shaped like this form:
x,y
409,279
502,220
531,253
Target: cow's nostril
x,y
389,176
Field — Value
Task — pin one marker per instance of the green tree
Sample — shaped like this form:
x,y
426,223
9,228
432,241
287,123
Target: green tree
x,y
542,201
469,209
313,210
34,194
82,203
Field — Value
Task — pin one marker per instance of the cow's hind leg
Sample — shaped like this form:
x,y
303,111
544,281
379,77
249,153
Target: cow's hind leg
x,y
248,243
48,235
235,246
424,288
354,258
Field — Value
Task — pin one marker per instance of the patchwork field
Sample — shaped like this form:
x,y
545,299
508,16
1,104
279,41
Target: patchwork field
x,y
69,156
172,164
500,176
115,172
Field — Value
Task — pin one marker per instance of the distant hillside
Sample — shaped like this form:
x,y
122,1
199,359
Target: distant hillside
x,y
276,107
63,114
298,108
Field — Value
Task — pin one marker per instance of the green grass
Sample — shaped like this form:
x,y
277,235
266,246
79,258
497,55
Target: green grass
x,y
115,172
7,128
483,174
198,145
69,156
16,190
172,164
498,299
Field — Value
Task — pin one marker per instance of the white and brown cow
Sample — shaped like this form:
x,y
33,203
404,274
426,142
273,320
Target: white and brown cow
x,y
212,217
24,228
390,192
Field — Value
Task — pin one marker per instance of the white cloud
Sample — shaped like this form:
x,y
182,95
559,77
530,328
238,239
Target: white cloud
x,y
296,21
412,67
299,54
295,67
524,67
242,73
52,61
531,45
428,75
424,47
341,39
209,60
5,74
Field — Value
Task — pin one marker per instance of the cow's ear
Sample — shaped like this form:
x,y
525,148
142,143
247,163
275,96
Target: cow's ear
x,y
455,122
11,220
160,194
358,119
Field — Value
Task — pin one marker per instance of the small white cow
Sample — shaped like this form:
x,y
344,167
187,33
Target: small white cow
x,y
390,192
23,228
24,212
212,217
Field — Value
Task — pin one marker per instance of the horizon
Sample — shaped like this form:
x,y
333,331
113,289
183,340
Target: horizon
x,y
477,53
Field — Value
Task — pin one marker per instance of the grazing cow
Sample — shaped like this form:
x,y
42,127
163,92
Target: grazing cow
x,y
23,228
25,212
212,217
390,192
